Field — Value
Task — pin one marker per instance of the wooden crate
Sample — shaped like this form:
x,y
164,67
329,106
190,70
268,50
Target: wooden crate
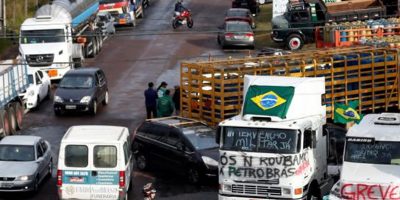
x,y
212,90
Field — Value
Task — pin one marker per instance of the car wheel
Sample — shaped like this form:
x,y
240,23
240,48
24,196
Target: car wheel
x,y
294,42
141,162
93,109
36,185
106,99
193,175
57,112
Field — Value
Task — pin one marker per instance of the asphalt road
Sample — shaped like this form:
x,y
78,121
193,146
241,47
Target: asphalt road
x,y
131,58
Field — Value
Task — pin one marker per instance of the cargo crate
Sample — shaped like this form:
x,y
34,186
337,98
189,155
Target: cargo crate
x,y
212,90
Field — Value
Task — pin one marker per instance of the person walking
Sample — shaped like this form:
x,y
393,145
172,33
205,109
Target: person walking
x,y
150,96
161,89
176,98
165,106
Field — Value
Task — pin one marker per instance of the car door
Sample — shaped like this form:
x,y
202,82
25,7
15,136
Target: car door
x,y
40,84
47,152
40,161
102,85
173,150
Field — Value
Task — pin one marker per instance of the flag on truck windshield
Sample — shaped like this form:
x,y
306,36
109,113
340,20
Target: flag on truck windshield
x,y
347,113
268,100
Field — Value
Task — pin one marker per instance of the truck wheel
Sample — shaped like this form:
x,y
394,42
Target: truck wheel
x,y
91,50
12,120
294,42
96,45
19,114
4,123
313,193
77,63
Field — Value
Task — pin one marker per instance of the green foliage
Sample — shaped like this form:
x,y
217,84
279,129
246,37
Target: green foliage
x,y
15,10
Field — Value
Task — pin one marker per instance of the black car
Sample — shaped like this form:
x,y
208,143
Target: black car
x,y
81,90
182,145
252,5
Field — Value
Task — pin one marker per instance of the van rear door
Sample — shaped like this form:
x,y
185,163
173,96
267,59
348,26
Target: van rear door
x,y
105,173
75,171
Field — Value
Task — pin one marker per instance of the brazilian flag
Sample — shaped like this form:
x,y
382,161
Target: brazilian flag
x,y
268,100
347,113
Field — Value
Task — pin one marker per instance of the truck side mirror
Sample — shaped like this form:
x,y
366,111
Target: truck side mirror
x,y
218,134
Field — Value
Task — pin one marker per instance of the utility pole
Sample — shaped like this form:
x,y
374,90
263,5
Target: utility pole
x,y
3,17
26,8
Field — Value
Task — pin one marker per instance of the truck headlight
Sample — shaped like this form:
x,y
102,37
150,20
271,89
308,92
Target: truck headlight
x,y
209,161
86,99
23,178
58,99
225,187
285,191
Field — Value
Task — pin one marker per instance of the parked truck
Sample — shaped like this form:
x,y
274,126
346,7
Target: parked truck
x,y
373,146
123,11
13,80
297,25
60,36
277,148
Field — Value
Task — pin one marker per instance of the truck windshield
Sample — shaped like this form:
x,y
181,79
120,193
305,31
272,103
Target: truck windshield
x,y
380,152
110,1
42,36
263,140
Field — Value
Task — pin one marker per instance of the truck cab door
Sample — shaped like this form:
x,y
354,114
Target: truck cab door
x,y
301,20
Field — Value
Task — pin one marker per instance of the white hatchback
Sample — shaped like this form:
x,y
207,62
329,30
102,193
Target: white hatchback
x,y
38,89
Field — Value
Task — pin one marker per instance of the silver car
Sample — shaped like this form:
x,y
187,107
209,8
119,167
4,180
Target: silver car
x,y
25,161
236,33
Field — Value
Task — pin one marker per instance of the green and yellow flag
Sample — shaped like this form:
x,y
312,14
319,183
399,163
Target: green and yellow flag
x,y
347,113
268,100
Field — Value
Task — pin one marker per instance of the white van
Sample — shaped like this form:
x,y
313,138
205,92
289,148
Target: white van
x,y
95,162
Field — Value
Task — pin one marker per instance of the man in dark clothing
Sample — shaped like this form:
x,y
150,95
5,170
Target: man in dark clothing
x,y
176,99
179,7
151,101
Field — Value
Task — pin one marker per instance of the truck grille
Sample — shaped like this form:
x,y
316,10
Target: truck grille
x,y
256,190
40,60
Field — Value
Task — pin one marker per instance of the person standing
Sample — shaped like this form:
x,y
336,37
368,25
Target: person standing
x,y
161,89
150,96
176,98
165,106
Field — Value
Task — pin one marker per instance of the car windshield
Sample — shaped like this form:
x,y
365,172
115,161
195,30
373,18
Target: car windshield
x,y
102,18
17,153
236,14
379,152
238,27
110,1
265,140
201,137
42,36
30,78
77,82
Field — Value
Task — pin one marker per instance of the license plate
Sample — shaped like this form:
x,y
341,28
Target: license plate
x,y
70,107
239,37
6,185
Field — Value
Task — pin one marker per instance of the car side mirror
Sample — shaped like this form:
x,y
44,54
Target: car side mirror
x,y
179,147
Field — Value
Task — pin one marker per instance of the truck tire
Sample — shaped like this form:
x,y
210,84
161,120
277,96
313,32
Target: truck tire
x,y
77,62
313,192
91,51
12,120
19,114
294,42
4,123
96,45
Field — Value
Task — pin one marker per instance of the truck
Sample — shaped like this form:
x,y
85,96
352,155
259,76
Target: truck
x,y
277,147
297,25
123,12
60,36
373,145
13,80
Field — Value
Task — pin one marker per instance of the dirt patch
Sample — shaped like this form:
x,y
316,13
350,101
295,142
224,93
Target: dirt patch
x,y
9,53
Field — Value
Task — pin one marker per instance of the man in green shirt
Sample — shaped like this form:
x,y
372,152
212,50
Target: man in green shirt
x,y
165,105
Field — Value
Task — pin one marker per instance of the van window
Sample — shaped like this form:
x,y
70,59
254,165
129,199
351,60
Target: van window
x,y
126,152
76,156
105,156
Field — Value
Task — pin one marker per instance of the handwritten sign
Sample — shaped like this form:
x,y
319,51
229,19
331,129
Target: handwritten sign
x,y
260,140
377,153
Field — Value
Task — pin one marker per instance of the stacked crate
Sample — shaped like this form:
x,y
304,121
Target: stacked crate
x,y
212,90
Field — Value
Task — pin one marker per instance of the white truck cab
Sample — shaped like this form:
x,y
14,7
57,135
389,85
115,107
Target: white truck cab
x,y
276,148
371,161
95,162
